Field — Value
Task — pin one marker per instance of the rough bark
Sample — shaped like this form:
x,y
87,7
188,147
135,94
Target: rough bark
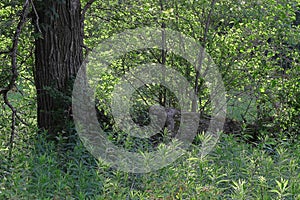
x,y
58,57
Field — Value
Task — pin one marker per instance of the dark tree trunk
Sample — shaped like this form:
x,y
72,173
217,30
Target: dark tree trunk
x,y
58,57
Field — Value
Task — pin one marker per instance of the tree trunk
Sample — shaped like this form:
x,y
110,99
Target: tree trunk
x,y
58,57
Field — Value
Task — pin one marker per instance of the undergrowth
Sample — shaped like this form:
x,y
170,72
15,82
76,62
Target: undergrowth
x,y
233,170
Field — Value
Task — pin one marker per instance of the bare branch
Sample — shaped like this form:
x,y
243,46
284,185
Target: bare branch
x,y
207,24
36,16
14,50
14,53
15,44
5,52
86,7
21,120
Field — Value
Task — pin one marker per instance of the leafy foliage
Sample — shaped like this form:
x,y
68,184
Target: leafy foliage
x,y
255,45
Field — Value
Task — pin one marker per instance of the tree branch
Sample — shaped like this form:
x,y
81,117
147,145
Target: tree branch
x,y
14,53
36,17
86,7
207,24
5,52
